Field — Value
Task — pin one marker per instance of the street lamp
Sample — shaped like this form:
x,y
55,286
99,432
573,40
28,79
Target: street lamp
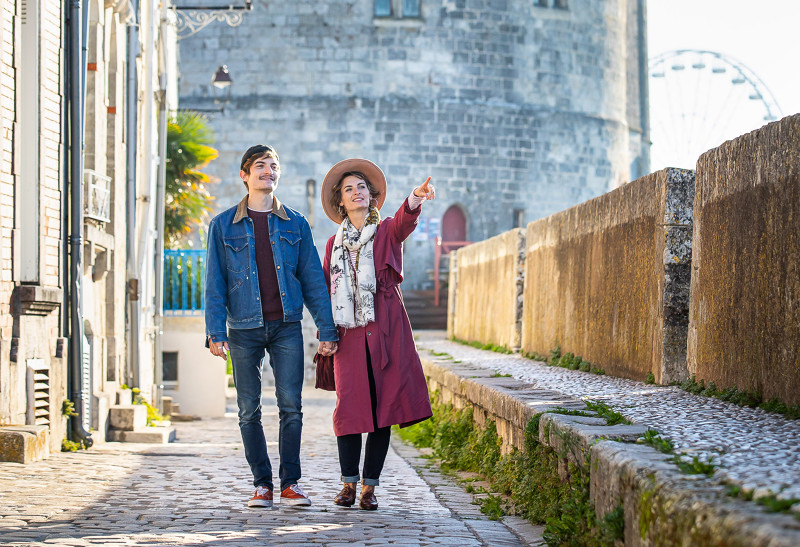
x,y
221,85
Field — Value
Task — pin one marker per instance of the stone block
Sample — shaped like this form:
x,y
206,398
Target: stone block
x,y
127,418
151,435
125,397
487,304
744,306
24,443
166,406
608,279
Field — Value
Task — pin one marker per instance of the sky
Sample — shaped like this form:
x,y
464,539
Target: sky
x,y
762,35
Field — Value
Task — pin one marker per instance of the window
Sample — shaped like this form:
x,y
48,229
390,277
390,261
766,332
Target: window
x,y
169,367
410,8
383,8
397,8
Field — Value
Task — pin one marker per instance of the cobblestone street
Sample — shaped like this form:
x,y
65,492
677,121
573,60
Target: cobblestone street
x,y
194,492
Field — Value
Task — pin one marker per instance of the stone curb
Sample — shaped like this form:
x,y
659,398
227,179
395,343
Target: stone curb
x,y
662,506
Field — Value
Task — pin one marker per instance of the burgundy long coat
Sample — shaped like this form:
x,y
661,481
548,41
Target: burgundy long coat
x,y
401,389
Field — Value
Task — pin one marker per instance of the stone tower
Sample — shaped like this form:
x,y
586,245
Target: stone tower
x,y
517,109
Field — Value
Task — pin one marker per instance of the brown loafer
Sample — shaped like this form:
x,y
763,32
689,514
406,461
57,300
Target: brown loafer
x,y
368,501
347,497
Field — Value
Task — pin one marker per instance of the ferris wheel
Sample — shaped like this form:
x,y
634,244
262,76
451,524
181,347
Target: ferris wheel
x,y
698,100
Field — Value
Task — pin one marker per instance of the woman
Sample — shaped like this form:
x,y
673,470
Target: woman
x,y
379,378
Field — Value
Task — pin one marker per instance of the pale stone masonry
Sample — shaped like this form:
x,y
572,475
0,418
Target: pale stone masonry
x,y
516,110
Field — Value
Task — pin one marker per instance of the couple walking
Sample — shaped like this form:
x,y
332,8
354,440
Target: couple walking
x,y
262,267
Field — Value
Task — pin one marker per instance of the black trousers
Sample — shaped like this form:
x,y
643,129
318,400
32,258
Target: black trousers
x,y
375,450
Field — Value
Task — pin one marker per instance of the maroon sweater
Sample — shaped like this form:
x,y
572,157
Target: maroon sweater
x,y
271,306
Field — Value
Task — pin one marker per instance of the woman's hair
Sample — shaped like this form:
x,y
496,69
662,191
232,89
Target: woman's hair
x,y
336,191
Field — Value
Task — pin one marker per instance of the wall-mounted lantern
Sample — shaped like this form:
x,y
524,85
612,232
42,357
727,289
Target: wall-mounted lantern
x,y
221,85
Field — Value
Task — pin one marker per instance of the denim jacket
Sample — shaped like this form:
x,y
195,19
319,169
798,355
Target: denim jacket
x,y
232,295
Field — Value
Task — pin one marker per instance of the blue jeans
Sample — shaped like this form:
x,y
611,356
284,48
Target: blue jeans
x,y
284,343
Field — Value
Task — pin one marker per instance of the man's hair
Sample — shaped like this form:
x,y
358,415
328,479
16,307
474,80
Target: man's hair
x,y
336,191
255,153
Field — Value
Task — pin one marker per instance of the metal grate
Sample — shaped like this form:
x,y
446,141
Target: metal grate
x,y
38,390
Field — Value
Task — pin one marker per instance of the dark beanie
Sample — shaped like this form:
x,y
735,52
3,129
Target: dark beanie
x,y
257,150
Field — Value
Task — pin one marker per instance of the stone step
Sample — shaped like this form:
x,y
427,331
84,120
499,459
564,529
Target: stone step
x,y
24,443
127,417
147,434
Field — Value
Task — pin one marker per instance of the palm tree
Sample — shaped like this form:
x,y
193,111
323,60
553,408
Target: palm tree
x,y
189,140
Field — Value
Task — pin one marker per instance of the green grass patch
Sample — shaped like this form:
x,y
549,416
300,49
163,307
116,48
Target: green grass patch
x,y
652,438
498,375
529,477
694,465
481,345
565,360
611,416
651,378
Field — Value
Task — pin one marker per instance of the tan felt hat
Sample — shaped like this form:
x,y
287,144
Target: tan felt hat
x,y
373,173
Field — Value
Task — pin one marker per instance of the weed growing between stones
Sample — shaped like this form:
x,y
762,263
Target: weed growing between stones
x,y
650,379
71,446
498,375
739,397
771,503
692,465
612,417
653,438
481,345
567,360
529,477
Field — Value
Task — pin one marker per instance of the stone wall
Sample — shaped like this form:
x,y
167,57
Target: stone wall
x,y
516,110
488,290
608,279
660,504
745,297
31,238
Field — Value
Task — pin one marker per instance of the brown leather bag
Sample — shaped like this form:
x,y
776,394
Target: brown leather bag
x,y
324,372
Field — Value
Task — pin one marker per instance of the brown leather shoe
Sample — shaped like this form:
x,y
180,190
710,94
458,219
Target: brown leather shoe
x,y
347,497
368,501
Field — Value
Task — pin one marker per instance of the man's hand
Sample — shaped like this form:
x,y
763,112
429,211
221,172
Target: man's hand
x,y
327,348
220,349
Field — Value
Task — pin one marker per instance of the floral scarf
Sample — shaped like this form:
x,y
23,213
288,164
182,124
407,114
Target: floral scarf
x,y
353,288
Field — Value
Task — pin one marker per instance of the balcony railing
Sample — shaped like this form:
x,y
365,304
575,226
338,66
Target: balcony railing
x,y
184,282
97,195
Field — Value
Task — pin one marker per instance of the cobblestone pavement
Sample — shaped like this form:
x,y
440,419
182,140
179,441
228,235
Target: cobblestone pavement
x,y
194,492
756,450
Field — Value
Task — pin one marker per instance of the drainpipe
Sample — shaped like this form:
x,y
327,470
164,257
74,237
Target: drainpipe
x,y
77,75
131,111
160,206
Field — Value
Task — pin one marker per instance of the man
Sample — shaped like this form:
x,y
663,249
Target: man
x,y
261,267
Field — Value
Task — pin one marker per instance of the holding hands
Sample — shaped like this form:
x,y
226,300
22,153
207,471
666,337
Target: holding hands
x,y
425,190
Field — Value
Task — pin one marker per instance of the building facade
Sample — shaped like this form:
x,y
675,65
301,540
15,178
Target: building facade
x,y
517,109
79,155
